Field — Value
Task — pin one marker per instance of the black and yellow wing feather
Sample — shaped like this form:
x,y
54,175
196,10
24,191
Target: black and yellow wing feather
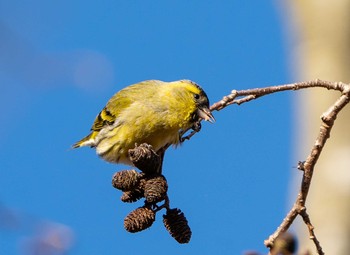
x,y
109,114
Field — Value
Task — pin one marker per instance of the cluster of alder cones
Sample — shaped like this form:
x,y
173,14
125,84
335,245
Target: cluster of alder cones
x,y
152,186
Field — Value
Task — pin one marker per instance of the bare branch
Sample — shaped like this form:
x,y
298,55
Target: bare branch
x,y
251,94
328,118
307,221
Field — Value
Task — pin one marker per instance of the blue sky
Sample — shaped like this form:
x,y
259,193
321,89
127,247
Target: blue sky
x,y
60,61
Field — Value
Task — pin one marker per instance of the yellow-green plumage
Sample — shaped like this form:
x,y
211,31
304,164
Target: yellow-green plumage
x,y
150,112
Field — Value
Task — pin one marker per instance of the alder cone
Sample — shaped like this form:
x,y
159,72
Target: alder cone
x,y
126,179
155,188
139,219
176,223
131,196
145,158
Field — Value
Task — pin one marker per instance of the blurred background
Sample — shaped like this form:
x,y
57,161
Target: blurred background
x,y
60,61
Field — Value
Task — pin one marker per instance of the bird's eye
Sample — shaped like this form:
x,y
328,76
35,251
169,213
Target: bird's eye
x,y
196,96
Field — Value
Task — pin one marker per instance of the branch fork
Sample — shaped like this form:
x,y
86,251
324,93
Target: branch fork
x,y
307,167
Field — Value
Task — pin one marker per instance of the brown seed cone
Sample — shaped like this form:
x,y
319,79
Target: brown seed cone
x,y
132,195
145,158
156,188
176,223
126,180
139,219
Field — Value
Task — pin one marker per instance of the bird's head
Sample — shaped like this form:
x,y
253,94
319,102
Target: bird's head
x,y
200,99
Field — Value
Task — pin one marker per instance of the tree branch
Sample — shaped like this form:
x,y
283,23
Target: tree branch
x,y
328,118
251,94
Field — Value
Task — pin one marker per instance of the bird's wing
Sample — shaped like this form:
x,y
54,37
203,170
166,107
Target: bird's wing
x,y
122,100
105,117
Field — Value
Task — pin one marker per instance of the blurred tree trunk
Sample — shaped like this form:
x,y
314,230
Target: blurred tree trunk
x,y
319,37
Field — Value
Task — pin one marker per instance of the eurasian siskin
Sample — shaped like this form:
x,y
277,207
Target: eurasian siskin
x,y
152,112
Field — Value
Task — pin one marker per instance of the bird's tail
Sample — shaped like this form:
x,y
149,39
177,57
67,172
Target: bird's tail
x,y
86,141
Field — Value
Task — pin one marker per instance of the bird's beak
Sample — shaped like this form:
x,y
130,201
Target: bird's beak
x,y
205,114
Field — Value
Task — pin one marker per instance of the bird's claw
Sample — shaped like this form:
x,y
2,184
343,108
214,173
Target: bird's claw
x,y
197,126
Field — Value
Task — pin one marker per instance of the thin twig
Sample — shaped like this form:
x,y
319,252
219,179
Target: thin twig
x,y
311,228
286,223
328,118
251,94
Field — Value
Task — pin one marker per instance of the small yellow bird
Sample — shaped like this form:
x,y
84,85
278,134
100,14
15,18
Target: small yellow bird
x,y
152,112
